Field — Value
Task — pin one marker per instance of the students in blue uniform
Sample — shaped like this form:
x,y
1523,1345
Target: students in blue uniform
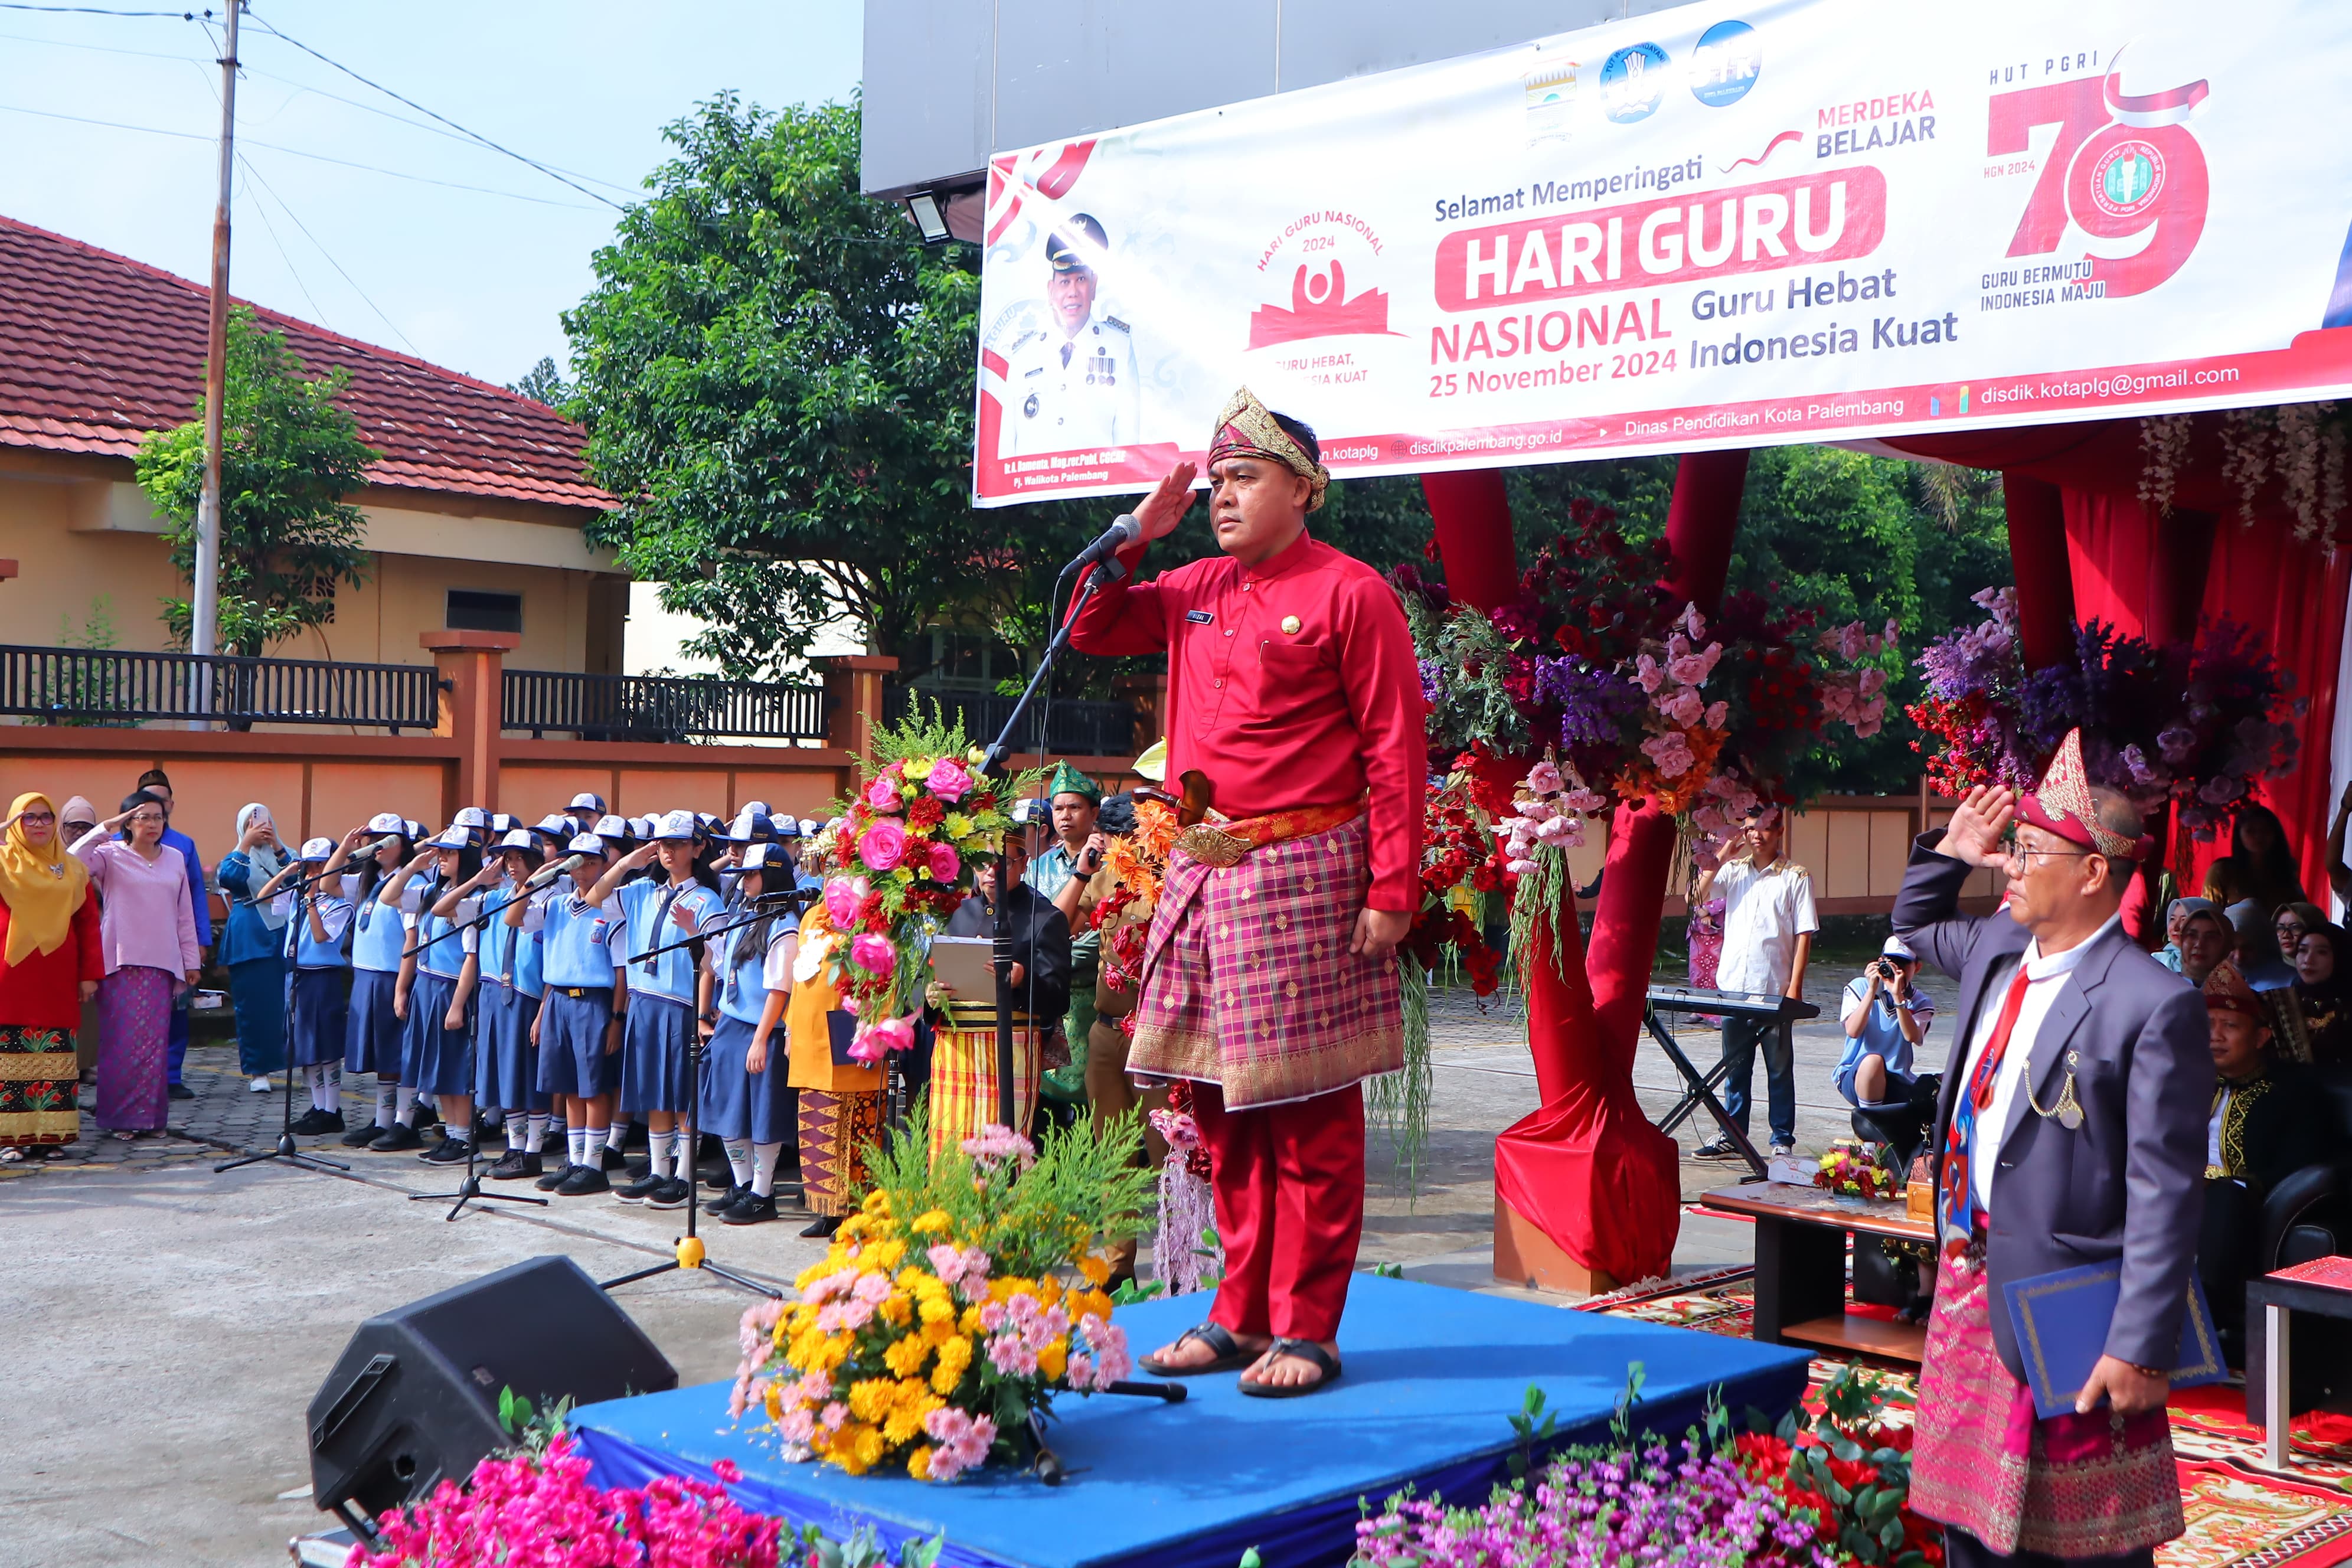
x,y
745,1098
578,1030
317,982
435,1004
505,1061
379,948
667,992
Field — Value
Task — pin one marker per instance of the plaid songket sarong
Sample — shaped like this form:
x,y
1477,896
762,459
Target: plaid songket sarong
x,y
837,1133
962,1095
1247,978
2073,1486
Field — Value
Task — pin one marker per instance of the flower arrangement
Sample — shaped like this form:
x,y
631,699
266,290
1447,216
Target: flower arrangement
x,y
2191,728
1596,668
915,837
941,1320
1190,1256
1848,1467
1459,862
1853,1168
2302,445
1137,862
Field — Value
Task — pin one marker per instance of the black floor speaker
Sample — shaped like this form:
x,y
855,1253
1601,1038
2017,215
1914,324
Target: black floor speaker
x,y
415,1398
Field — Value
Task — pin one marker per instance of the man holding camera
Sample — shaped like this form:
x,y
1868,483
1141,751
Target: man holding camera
x,y
1886,1017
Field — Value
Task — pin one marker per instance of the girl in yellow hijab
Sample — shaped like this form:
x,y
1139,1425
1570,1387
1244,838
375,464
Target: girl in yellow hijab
x,y
50,959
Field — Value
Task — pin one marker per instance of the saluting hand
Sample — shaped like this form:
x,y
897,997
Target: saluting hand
x,y
1165,507
1974,835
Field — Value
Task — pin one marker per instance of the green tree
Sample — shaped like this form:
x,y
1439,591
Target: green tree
x,y
542,382
288,458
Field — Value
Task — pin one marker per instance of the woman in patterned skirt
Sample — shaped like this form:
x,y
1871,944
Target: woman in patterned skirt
x,y
50,961
148,930
840,1100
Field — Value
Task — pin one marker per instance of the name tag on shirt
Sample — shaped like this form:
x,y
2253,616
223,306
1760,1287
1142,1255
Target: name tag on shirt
x,y
1200,618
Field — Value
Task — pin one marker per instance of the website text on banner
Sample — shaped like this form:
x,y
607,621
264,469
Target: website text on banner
x,y
1710,226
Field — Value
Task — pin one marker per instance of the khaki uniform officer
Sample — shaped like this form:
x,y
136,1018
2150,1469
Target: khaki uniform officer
x,y
1072,383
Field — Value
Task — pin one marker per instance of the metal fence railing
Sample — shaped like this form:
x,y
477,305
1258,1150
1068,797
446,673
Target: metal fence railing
x,y
1073,728
110,686
660,707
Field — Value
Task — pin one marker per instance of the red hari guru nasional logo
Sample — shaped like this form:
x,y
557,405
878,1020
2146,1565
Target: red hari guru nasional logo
x,y
1315,251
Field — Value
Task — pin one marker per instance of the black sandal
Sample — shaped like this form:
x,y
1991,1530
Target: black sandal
x,y
1229,1353
1304,1350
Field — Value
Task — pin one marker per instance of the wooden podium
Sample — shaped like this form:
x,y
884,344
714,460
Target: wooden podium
x,y
1525,1255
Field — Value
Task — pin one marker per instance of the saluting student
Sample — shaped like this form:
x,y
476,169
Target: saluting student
x,y
668,991
379,952
506,1001
318,961
578,1030
435,1002
746,1099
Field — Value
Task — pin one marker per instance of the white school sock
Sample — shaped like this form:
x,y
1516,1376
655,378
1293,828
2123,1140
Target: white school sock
x,y
739,1161
315,1075
331,1086
404,1104
656,1153
384,1094
614,1134
575,1145
534,1133
763,1169
461,1130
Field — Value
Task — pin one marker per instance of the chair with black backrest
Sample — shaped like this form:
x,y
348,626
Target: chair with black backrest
x,y
2307,1214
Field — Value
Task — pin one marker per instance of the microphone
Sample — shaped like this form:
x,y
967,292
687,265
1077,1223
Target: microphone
x,y
388,841
1103,552
551,871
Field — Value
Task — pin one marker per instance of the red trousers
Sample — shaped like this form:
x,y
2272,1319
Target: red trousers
x,y
1288,1184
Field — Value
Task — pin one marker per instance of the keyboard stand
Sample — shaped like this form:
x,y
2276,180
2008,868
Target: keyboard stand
x,y
1701,1090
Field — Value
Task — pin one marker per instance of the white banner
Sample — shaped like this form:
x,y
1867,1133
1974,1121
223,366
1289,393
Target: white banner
x,y
1717,226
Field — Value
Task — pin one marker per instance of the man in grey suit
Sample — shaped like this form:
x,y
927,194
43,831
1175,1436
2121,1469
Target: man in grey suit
x,y
2071,1130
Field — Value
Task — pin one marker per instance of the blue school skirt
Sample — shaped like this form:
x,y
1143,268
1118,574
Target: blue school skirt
x,y
654,1061
506,1064
434,1057
572,1059
738,1103
372,1035
316,1015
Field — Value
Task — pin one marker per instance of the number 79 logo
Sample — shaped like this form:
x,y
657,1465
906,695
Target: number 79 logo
x,y
2122,166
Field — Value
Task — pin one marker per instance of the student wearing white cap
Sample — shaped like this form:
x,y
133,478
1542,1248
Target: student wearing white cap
x,y
435,1003
1886,1017
318,961
578,1030
506,1000
667,992
380,953
585,809
744,1098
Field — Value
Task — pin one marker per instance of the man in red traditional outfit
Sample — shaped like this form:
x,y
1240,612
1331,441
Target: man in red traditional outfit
x,y
2071,1131
1269,977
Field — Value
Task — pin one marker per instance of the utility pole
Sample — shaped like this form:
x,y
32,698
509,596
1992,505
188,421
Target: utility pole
x,y
205,635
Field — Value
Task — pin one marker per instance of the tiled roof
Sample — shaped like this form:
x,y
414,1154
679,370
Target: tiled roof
x,y
97,349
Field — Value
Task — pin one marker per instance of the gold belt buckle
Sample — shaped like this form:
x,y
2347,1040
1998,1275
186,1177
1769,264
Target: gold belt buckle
x,y
1213,846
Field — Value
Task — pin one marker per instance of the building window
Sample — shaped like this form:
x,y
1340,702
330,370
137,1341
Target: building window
x,y
470,610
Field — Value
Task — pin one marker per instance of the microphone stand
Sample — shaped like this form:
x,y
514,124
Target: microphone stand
x,y
1110,569
472,1187
286,1149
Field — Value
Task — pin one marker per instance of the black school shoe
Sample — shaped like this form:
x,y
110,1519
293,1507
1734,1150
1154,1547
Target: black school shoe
x,y
452,1152
751,1209
557,1176
359,1137
516,1167
313,1121
583,1181
672,1194
824,1226
641,1189
718,1207
396,1138
611,1159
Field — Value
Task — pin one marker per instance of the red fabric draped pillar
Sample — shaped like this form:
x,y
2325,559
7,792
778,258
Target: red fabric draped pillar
x,y
2037,556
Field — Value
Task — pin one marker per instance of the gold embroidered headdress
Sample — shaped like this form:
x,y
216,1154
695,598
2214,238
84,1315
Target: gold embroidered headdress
x,y
2062,805
1247,429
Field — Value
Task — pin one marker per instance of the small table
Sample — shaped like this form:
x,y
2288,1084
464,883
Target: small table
x,y
2271,1305
1800,1267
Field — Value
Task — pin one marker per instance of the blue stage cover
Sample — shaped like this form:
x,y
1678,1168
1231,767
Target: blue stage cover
x,y
1432,1377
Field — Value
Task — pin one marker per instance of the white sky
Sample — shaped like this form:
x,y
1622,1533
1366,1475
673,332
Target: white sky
x,y
465,278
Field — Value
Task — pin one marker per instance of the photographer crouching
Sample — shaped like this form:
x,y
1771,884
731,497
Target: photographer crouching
x,y
1886,1017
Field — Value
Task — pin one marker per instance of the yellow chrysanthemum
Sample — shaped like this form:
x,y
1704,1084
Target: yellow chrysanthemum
x,y
905,1357
868,1446
1096,1270
930,1221
970,1321
775,1402
877,1203
1088,1304
1052,1359
919,1463
957,826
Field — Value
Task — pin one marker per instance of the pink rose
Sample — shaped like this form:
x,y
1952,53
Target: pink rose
x,y
946,864
842,896
1544,779
883,845
1671,753
948,780
882,795
1683,707
1716,714
1647,674
876,1040
875,954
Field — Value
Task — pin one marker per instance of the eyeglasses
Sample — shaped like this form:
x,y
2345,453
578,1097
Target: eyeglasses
x,y
37,817
2025,856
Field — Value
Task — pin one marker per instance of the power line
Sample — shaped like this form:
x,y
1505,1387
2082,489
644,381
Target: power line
x,y
297,220
493,146
293,153
99,11
293,271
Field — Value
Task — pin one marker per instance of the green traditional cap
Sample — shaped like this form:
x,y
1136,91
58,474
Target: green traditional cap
x,y
1067,780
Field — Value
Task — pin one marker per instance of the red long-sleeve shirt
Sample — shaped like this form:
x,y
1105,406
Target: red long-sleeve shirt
x,y
1290,683
43,992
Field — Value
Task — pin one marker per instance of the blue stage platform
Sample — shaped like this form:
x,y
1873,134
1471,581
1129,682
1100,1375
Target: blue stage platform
x,y
1431,1376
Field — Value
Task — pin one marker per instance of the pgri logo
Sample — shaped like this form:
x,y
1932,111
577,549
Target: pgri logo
x,y
2125,170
